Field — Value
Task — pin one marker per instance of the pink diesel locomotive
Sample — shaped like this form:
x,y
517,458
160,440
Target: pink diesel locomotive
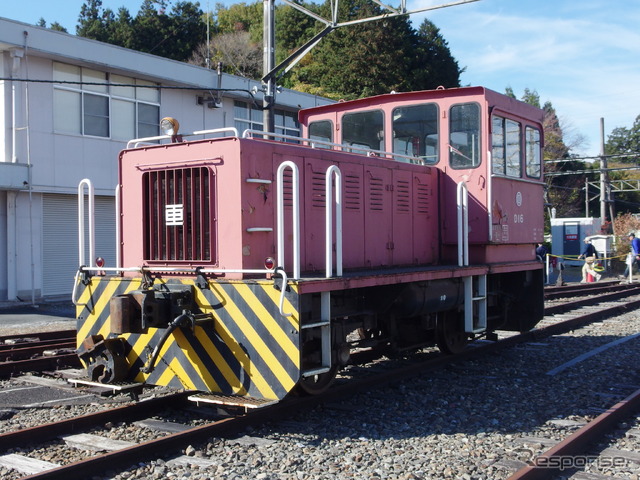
x,y
252,266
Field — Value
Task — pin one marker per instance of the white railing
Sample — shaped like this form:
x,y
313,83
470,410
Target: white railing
x,y
91,217
118,231
333,172
463,224
145,141
296,216
339,146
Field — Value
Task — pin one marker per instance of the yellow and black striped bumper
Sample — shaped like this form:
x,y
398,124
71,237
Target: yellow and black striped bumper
x,y
248,348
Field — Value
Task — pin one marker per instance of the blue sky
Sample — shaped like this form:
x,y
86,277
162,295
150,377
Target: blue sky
x,y
582,56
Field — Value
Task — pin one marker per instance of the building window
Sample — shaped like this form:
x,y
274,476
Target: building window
x,y
105,105
250,117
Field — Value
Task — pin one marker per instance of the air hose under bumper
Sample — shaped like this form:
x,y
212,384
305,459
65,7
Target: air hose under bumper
x,y
186,319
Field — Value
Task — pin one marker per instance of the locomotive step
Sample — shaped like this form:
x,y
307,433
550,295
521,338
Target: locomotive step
x,y
106,389
230,400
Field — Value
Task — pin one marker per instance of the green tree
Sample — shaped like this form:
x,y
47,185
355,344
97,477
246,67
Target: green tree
x,y
54,26
625,141
374,57
624,144
564,190
93,21
173,35
434,64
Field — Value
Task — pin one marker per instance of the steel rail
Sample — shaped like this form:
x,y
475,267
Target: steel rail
x,y
552,293
579,441
41,336
594,299
142,409
171,444
39,364
24,351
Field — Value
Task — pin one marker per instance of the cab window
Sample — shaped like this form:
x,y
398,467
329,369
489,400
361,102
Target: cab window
x,y
505,146
533,152
464,135
321,130
415,133
363,130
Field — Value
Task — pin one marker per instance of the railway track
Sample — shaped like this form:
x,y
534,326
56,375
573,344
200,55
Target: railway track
x,y
576,450
38,352
174,443
585,289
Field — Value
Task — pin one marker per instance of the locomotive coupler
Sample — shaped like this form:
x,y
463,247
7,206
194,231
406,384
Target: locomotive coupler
x,y
105,359
139,310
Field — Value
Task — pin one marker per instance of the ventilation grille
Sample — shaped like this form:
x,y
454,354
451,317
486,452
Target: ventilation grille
x,y
403,196
318,189
422,199
352,192
178,215
376,194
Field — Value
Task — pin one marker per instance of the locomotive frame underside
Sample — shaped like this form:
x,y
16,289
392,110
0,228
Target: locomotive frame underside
x,y
229,337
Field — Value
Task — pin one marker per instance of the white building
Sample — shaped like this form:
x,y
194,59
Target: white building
x,y
61,122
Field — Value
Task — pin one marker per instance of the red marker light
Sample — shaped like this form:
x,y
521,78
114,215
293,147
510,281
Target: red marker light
x,y
99,262
269,263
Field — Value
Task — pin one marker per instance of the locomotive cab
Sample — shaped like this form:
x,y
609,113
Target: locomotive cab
x,y
486,141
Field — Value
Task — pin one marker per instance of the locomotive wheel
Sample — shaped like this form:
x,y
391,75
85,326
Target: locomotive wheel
x,y
451,337
316,384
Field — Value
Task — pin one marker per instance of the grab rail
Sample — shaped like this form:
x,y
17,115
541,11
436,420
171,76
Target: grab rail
x,y
134,143
296,216
333,171
92,235
463,224
249,133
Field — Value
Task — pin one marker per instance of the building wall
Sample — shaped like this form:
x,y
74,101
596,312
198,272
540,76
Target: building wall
x,y
41,170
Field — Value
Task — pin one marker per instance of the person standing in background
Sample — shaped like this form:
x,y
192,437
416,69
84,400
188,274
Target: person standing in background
x,y
635,252
590,255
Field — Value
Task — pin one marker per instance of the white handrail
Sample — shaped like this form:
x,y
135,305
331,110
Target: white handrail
x,y
217,130
118,231
334,171
296,216
265,271
249,133
148,140
92,235
463,224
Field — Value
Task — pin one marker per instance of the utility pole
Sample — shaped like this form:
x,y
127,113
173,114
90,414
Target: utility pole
x,y
270,69
268,64
604,190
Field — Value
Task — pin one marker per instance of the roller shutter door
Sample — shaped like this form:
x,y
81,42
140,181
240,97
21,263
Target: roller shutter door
x,y
60,239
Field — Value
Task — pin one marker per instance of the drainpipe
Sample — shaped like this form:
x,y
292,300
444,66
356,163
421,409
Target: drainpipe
x,y
16,55
12,270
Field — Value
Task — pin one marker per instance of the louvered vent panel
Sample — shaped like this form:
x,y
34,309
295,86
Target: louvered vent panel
x,y
287,187
178,217
422,199
376,192
352,192
318,187
403,200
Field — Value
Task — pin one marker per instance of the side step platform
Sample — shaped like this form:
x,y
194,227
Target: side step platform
x,y
230,400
